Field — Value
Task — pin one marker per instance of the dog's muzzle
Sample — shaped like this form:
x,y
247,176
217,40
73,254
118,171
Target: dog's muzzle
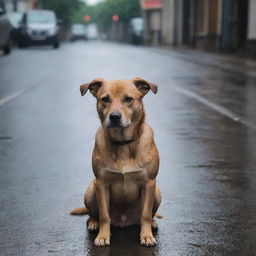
x,y
114,119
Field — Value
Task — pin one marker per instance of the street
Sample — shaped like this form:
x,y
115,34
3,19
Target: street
x,y
204,122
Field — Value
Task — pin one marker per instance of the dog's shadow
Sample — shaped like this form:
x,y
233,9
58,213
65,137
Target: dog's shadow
x,y
124,241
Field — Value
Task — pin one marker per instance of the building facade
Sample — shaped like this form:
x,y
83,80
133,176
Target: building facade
x,y
214,25
251,32
152,15
20,5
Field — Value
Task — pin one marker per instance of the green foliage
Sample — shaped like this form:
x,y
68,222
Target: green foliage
x,y
78,15
73,11
126,9
63,8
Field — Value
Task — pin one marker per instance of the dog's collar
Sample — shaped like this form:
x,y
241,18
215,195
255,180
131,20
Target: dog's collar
x,y
123,142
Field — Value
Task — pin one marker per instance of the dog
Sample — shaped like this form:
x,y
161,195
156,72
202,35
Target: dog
x,y
125,162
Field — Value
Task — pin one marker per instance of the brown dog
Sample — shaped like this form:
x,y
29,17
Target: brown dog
x,y
125,162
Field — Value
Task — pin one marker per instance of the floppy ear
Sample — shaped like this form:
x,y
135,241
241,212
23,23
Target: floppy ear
x,y
144,86
93,86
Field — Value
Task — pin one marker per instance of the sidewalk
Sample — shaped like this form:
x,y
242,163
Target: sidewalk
x,y
226,62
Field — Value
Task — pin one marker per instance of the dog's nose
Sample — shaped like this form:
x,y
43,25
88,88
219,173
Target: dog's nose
x,y
115,117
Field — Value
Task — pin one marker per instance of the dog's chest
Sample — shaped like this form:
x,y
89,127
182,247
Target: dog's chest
x,y
125,176
125,185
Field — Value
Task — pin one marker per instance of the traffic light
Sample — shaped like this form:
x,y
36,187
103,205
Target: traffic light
x,y
87,18
115,18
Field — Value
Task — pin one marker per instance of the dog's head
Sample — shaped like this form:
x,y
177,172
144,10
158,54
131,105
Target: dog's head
x,y
119,104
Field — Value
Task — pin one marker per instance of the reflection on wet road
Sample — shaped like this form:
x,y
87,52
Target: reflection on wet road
x,y
207,173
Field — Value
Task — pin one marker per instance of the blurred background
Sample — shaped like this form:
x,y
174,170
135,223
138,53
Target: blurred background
x,y
216,25
201,54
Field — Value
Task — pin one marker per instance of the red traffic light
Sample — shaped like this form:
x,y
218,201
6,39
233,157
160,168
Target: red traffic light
x,y
115,18
87,18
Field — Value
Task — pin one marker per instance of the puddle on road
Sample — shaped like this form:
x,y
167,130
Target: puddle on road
x,y
5,137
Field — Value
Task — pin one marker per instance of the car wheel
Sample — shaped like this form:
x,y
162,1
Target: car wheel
x,y
22,43
56,44
8,47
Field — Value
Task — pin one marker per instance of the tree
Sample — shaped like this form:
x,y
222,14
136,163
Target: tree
x,y
125,9
78,14
63,8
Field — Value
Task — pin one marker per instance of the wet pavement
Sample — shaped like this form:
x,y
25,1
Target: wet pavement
x,y
205,129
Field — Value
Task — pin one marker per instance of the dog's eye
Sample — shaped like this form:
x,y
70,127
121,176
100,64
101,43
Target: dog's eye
x,y
128,99
105,99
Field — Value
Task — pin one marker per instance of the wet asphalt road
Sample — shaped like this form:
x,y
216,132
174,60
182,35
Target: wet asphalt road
x,y
205,129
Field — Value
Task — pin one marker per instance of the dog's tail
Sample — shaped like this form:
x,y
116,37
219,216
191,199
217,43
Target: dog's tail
x,y
159,216
80,211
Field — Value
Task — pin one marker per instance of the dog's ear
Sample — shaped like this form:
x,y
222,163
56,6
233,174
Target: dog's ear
x,y
144,86
93,86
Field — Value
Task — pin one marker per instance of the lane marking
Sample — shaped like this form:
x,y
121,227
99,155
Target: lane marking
x,y
220,109
10,97
34,86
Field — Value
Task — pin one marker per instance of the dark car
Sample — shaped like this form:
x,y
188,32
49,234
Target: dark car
x,y
15,20
39,27
5,31
78,31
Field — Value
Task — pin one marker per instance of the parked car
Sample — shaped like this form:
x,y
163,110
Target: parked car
x,y
15,20
92,32
78,31
39,27
5,31
136,30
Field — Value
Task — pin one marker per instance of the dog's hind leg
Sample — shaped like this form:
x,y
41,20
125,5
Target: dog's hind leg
x,y
157,202
91,208
92,224
90,202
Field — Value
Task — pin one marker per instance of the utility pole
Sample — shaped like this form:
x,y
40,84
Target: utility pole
x,y
35,4
15,7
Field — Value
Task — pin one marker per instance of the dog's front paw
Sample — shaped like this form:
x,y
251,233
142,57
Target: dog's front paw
x,y
148,240
102,240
